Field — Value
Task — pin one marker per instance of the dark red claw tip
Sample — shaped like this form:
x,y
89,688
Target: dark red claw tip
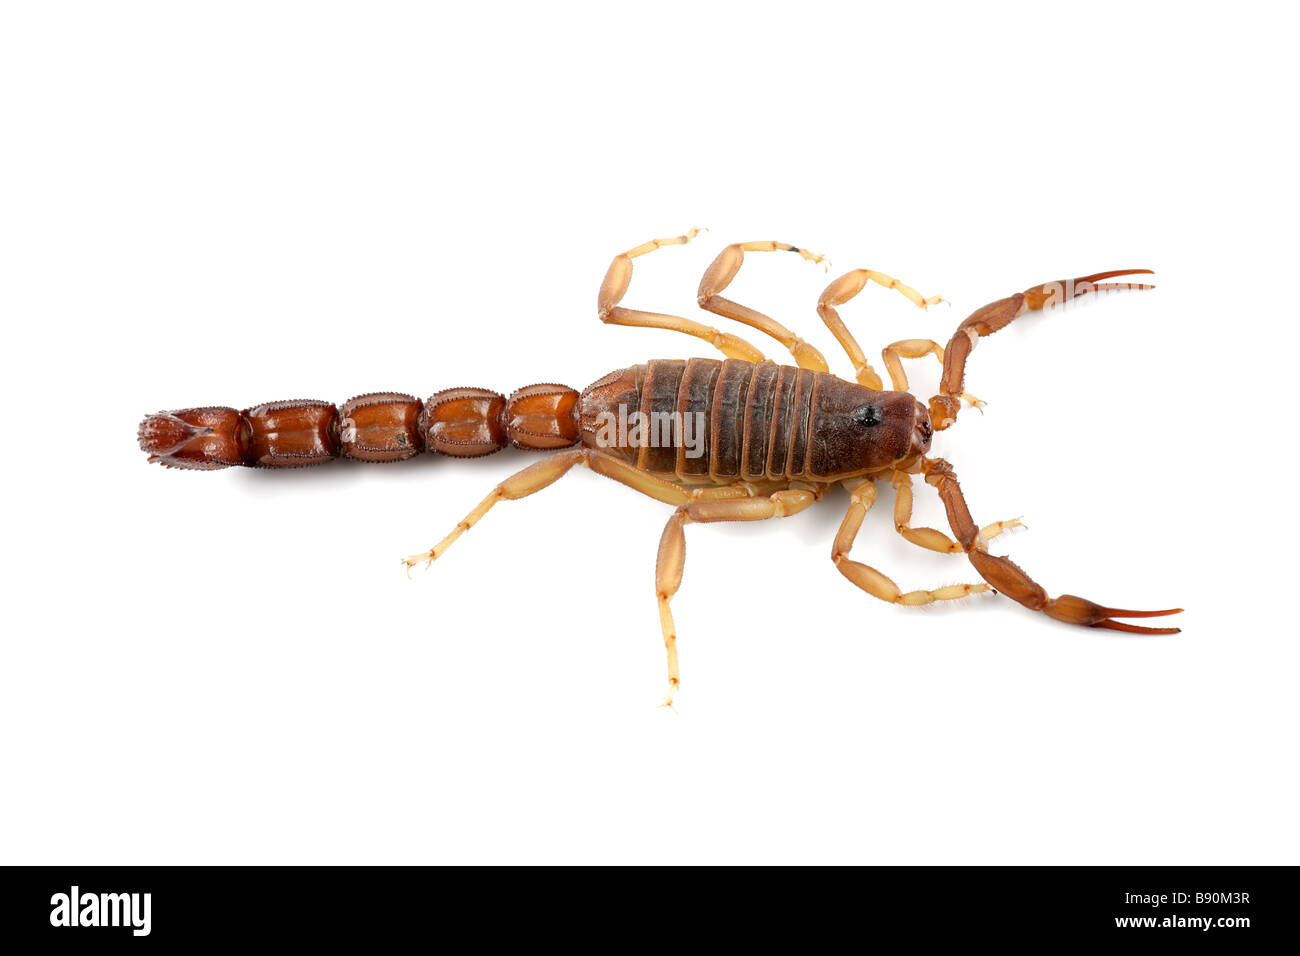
x,y
1117,612
1136,628
1098,276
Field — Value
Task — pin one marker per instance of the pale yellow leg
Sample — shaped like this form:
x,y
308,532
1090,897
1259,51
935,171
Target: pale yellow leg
x,y
661,489
668,578
615,286
519,485
779,504
841,291
931,538
704,504
862,496
719,275
914,349
536,477
672,550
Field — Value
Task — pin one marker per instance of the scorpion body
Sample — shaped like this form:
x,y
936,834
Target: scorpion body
x,y
740,439
757,422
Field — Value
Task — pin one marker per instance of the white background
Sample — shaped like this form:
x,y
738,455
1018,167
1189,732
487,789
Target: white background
x,y
239,202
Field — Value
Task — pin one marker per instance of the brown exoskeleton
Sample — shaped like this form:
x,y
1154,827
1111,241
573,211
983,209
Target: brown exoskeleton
x,y
737,440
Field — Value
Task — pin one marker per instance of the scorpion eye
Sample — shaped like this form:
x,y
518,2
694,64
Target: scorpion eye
x,y
867,415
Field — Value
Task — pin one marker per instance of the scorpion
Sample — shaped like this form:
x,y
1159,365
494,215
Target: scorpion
x,y
770,440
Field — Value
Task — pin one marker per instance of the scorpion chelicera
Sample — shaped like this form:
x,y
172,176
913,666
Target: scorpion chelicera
x,y
743,439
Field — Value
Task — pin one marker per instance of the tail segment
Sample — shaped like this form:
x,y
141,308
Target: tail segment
x,y
379,427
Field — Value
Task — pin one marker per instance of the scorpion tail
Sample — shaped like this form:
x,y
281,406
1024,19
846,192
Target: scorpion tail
x,y
201,439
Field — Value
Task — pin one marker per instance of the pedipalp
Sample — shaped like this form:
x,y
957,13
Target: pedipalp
x,y
1008,578
998,315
